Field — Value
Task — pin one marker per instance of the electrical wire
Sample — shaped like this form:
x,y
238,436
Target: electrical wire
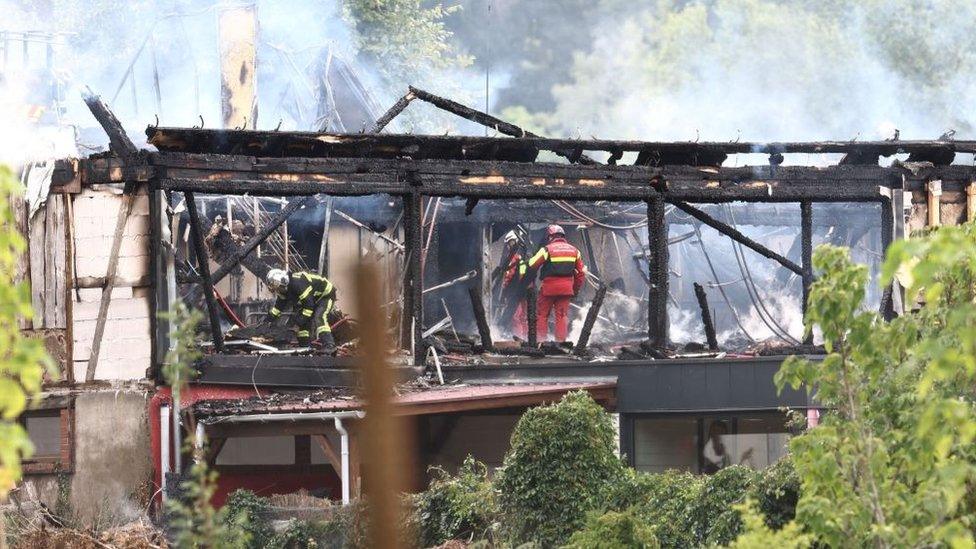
x,y
720,285
753,291
582,216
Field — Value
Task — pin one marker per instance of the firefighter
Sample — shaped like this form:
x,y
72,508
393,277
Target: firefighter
x,y
311,298
513,283
562,273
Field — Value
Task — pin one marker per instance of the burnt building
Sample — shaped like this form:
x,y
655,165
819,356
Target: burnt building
x,y
199,216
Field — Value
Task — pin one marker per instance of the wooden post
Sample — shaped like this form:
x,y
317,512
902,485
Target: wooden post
x,y
887,235
203,264
657,299
474,293
532,315
971,201
706,315
128,195
806,253
324,245
934,202
590,320
237,29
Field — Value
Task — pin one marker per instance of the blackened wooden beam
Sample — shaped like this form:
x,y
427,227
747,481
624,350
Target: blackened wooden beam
x,y
221,141
734,234
413,310
393,112
252,243
657,303
481,317
203,265
590,320
119,142
572,153
706,316
532,316
806,253
887,236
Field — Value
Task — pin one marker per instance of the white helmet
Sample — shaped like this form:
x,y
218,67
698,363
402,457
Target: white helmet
x,y
277,279
510,236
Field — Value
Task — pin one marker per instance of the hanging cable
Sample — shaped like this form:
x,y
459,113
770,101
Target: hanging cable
x,y
753,291
720,285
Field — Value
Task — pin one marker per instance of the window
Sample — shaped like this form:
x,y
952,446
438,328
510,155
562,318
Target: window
x,y
51,431
708,443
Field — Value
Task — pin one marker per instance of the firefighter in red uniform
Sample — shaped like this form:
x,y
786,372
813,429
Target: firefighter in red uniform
x,y
515,271
562,277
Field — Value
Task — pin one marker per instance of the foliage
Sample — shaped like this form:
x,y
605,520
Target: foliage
x,y
894,463
22,359
613,530
193,520
249,512
561,466
776,490
666,502
716,521
759,535
462,507
303,533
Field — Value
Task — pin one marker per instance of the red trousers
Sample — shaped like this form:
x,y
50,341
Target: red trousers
x,y
559,305
520,322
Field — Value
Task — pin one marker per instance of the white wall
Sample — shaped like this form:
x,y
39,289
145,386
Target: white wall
x,y
126,343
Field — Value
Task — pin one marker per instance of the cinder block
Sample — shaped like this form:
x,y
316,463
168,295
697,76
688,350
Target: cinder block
x,y
132,267
134,245
89,295
137,224
140,206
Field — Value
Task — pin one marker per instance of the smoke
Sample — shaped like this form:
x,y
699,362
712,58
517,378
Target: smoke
x,y
764,70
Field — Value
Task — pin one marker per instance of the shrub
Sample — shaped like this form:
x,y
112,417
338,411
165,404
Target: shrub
x,y
716,521
249,512
776,491
667,503
613,530
458,507
758,535
561,466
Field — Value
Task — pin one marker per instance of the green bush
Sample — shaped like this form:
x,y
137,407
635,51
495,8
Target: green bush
x,y
461,507
561,466
776,491
614,530
667,502
716,522
249,512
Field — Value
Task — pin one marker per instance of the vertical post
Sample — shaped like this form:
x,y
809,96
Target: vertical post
x,y
706,315
887,235
324,246
203,263
164,441
478,305
971,201
237,30
657,302
806,253
934,202
413,286
590,319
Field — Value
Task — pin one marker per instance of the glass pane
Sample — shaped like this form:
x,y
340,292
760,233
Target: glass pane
x,y
666,443
258,451
45,435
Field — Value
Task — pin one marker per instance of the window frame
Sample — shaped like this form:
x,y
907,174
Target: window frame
x,y
63,462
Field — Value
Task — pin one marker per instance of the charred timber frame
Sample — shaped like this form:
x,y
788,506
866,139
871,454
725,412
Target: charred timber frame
x,y
413,180
415,167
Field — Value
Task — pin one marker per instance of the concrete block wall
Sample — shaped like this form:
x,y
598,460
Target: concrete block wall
x,y
126,344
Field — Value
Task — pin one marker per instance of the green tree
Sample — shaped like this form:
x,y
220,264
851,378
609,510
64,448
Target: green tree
x,y
561,465
894,463
22,359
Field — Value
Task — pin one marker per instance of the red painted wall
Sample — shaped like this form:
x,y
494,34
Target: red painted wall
x,y
274,482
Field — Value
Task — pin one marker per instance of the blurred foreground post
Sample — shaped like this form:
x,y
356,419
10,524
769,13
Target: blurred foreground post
x,y
388,456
